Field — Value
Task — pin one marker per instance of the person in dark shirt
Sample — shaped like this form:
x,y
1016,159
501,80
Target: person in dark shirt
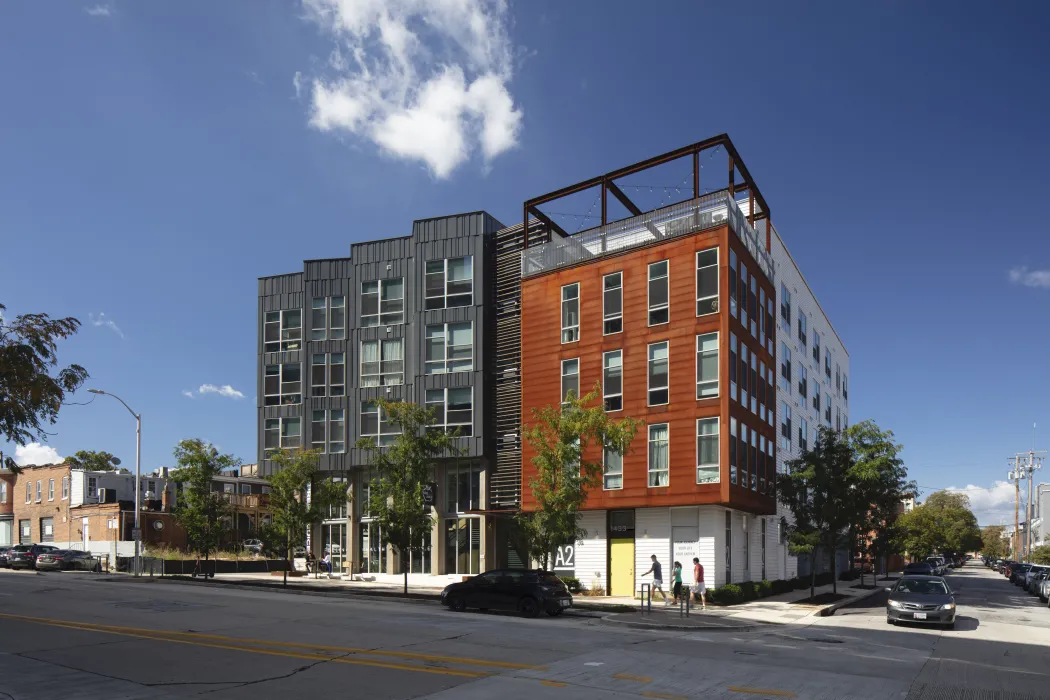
x,y
658,580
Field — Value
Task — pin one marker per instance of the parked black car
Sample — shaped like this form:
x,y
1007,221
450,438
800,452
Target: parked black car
x,y
66,560
923,599
1017,572
527,591
919,568
23,556
3,556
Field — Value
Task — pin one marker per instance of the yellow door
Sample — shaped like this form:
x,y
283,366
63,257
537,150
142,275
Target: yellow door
x,y
621,567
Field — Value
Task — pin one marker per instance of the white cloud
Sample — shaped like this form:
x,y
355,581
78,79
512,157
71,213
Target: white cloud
x,y
35,453
1030,278
991,504
224,390
423,80
297,83
99,11
187,394
101,320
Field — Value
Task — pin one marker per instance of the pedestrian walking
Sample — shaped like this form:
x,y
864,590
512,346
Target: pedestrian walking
x,y
658,580
677,578
699,589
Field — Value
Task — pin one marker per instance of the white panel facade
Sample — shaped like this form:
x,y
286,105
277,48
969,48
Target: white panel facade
x,y
652,535
592,550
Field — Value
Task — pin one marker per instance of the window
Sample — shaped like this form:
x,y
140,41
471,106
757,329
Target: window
x,y
785,425
827,408
612,468
29,491
770,328
318,374
761,315
39,492
337,318
282,330
50,489
838,379
463,546
25,534
827,365
658,379
803,435
754,460
382,362
612,379
816,350
732,283
770,395
845,388
659,294
732,451
570,379
707,451
318,431
449,348
3,491
803,383
449,283
785,367
659,462
752,304
336,374
802,327
383,302
319,319
92,487
761,464
570,313
745,374
816,396
741,454
290,432
337,431
281,432
785,305
453,409
376,424
462,488
707,365
742,293
282,385
838,426
612,303
707,282
47,529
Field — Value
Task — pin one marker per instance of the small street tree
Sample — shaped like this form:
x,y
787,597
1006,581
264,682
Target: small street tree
x,y
564,440
403,469
30,395
816,489
292,514
93,461
199,510
1041,554
993,541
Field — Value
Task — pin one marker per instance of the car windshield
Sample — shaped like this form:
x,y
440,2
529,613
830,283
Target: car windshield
x,y
922,587
549,578
20,548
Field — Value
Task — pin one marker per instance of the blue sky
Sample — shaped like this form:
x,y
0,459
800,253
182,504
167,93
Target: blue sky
x,y
156,158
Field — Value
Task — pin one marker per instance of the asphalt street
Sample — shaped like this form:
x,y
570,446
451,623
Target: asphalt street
x,y
74,636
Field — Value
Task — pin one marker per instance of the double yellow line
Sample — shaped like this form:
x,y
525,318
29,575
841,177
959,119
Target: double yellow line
x,y
293,650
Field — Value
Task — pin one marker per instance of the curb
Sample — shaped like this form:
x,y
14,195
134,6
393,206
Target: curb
x,y
297,590
829,610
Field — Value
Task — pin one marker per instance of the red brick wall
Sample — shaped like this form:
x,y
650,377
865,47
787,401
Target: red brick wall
x,y
55,508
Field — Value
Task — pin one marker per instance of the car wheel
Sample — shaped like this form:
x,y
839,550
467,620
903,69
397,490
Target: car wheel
x,y
458,604
528,607
555,612
890,621
950,625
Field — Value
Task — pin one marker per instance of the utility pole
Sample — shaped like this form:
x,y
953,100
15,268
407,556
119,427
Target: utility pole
x,y
1016,475
1027,464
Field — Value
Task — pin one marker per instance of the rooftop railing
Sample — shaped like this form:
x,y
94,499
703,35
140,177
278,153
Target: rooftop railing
x,y
706,212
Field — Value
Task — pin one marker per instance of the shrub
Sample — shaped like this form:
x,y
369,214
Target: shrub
x,y
765,588
849,575
572,583
747,590
801,582
825,578
729,594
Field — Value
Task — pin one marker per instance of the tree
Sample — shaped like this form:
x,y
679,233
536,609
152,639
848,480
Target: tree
x,y
1041,554
30,395
993,541
200,511
93,461
403,469
292,514
943,524
816,489
564,439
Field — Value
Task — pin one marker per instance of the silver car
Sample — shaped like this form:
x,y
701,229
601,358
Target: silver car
x,y
921,599
1044,590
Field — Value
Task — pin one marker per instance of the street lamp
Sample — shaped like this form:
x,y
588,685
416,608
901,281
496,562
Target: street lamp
x,y
138,469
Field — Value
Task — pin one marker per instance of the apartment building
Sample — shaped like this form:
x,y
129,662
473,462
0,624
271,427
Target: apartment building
x,y
407,318
7,507
671,311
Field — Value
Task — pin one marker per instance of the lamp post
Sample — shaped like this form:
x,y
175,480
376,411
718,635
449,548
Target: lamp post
x,y
138,470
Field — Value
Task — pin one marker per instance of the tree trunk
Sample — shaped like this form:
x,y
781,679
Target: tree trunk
x,y
287,556
812,572
834,569
404,571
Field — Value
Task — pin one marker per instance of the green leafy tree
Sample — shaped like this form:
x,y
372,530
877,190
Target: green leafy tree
x,y
296,470
993,541
30,392
564,440
1041,554
203,513
816,489
403,469
93,461
944,524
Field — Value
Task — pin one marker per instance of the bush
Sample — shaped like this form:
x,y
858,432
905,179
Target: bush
x,y
729,594
801,582
765,588
572,583
747,590
825,578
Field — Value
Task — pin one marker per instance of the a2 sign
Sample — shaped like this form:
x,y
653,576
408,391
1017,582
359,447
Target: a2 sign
x,y
565,559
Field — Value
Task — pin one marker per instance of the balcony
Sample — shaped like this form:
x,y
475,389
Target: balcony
x,y
248,500
682,219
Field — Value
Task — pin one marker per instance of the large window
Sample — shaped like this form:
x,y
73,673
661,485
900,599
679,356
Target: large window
x,y
707,365
462,487
282,330
707,282
50,489
376,424
732,451
383,302
281,432
659,457
732,366
449,283
328,318
319,431
785,426
816,395
612,380
47,529
816,350
659,393
3,491
453,409
449,348
802,327
283,384
337,431
707,467
612,462
318,374
570,379
785,367
570,313
742,293
463,546
803,381
319,319
732,284
785,306
612,303
845,388
382,362
39,492
659,294
803,435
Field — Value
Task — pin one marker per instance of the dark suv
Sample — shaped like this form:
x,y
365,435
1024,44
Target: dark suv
x,y
23,556
527,591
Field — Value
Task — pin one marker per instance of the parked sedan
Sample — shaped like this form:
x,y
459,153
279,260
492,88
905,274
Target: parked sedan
x,y
922,599
66,560
919,568
527,591
1044,590
3,557
1017,572
1034,573
24,556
